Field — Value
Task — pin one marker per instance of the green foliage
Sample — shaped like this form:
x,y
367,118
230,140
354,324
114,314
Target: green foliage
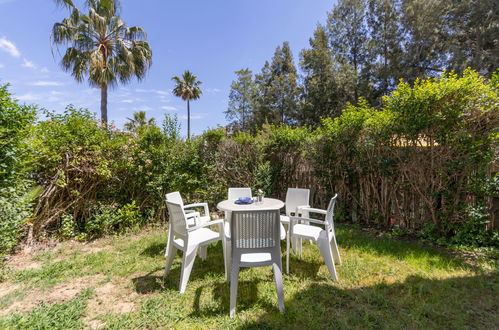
x,y
15,209
108,219
240,108
275,96
411,164
15,124
101,48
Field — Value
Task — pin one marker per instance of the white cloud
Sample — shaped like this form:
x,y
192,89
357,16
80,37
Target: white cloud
x,y
127,101
169,108
28,64
28,97
9,47
1,65
46,83
155,91
213,90
142,108
44,70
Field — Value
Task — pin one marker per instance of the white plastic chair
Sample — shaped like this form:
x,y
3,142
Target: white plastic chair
x,y
325,237
194,218
175,197
188,240
255,243
295,198
235,193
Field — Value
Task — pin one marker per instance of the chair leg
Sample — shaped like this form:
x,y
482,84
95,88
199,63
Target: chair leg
x,y
187,263
288,242
278,285
234,280
298,246
228,260
168,243
203,251
325,249
170,255
336,252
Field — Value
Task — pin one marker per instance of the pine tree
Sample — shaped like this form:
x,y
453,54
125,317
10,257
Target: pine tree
x,y
347,29
320,95
240,107
276,92
386,39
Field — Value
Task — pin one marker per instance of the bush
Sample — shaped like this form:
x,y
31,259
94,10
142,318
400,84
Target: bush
x,y
15,210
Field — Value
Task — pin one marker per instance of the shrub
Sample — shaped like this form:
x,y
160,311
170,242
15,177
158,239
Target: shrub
x,y
15,210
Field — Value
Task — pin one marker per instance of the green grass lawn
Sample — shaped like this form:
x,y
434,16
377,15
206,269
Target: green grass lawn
x,y
117,283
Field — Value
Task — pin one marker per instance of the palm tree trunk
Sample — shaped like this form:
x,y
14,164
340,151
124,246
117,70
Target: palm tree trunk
x,y
188,121
103,103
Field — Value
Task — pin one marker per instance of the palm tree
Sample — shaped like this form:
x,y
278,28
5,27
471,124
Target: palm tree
x,y
138,121
101,48
188,89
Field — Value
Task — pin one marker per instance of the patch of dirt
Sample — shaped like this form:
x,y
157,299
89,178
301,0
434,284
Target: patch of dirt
x,y
21,261
109,299
7,287
60,293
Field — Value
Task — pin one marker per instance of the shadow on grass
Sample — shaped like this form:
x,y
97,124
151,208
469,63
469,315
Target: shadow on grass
x,y
462,302
154,250
149,283
247,297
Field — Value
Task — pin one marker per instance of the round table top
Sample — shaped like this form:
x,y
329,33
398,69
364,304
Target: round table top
x,y
266,204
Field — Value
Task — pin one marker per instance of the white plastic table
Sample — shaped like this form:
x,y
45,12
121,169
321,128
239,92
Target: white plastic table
x,y
266,204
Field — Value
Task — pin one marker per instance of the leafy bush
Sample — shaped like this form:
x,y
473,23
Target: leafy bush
x,y
15,210
15,124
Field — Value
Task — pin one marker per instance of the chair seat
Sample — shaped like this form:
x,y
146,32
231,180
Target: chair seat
x,y
255,257
308,232
285,219
227,231
199,236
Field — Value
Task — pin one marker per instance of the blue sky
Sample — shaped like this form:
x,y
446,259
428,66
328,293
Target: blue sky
x,y
211,38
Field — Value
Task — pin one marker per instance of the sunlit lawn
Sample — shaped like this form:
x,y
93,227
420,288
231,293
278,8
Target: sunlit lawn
x,y
384,283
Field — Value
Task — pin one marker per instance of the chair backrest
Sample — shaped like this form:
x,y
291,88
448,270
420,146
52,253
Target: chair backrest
x,y
235,193
255,229
296,197
178,222
330,214
175,197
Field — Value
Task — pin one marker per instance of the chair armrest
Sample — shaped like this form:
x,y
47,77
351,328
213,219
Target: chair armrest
x,y
313,210
299,208
206,224
204,205
192,214
293,220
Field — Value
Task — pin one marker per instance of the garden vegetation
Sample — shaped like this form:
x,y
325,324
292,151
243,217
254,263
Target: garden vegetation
x,y
420,163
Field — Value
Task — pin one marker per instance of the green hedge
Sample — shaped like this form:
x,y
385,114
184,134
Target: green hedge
x,y
420,163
